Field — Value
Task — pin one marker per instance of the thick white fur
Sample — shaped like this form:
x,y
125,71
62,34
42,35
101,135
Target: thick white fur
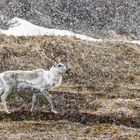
x,y
39,79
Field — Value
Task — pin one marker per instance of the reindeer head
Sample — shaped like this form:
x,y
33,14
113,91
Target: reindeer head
x,y
61,54
60,68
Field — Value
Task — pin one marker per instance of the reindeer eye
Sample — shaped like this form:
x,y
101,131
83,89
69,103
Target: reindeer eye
x,y
59,65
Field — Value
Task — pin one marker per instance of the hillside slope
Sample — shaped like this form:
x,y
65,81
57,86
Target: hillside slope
x,y
99,98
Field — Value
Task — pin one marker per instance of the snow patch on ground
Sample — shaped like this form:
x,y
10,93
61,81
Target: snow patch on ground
x,y
134,42
22,27
25,28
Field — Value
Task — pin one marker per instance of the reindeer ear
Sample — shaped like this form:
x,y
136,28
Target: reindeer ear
x,y
58,60
55,62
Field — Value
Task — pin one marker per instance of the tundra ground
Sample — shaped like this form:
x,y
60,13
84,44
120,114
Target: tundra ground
x,y
99,99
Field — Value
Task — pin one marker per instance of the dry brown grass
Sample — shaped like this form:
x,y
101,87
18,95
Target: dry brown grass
x,y
99,99
62,130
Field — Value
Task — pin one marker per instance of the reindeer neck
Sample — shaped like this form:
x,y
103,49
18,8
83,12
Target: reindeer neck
x,y
55,77
54,73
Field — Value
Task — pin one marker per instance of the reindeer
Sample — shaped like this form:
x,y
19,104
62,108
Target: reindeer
x,y
39,79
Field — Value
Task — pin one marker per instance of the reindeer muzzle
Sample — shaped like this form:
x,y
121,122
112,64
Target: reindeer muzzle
x,y
68,70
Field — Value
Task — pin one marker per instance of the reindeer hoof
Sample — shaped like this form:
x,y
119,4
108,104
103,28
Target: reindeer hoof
x,y
7,112
54,111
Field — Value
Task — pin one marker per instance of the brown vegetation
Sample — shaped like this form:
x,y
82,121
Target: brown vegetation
x,y
99,99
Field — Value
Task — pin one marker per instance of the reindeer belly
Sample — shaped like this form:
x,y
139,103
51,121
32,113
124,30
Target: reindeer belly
x,y
29,84
23,85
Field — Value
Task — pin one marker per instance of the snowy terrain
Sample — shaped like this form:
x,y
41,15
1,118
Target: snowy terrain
x,y
25,28
135,42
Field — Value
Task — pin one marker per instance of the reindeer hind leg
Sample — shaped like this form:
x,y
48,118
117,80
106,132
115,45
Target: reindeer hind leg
x,y
1,91
1,88
4,97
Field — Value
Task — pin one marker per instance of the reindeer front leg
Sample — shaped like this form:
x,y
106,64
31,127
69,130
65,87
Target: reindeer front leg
x,y
45,93
33,101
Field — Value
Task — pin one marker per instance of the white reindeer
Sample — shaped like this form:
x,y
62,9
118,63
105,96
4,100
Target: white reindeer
x,y
39,79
